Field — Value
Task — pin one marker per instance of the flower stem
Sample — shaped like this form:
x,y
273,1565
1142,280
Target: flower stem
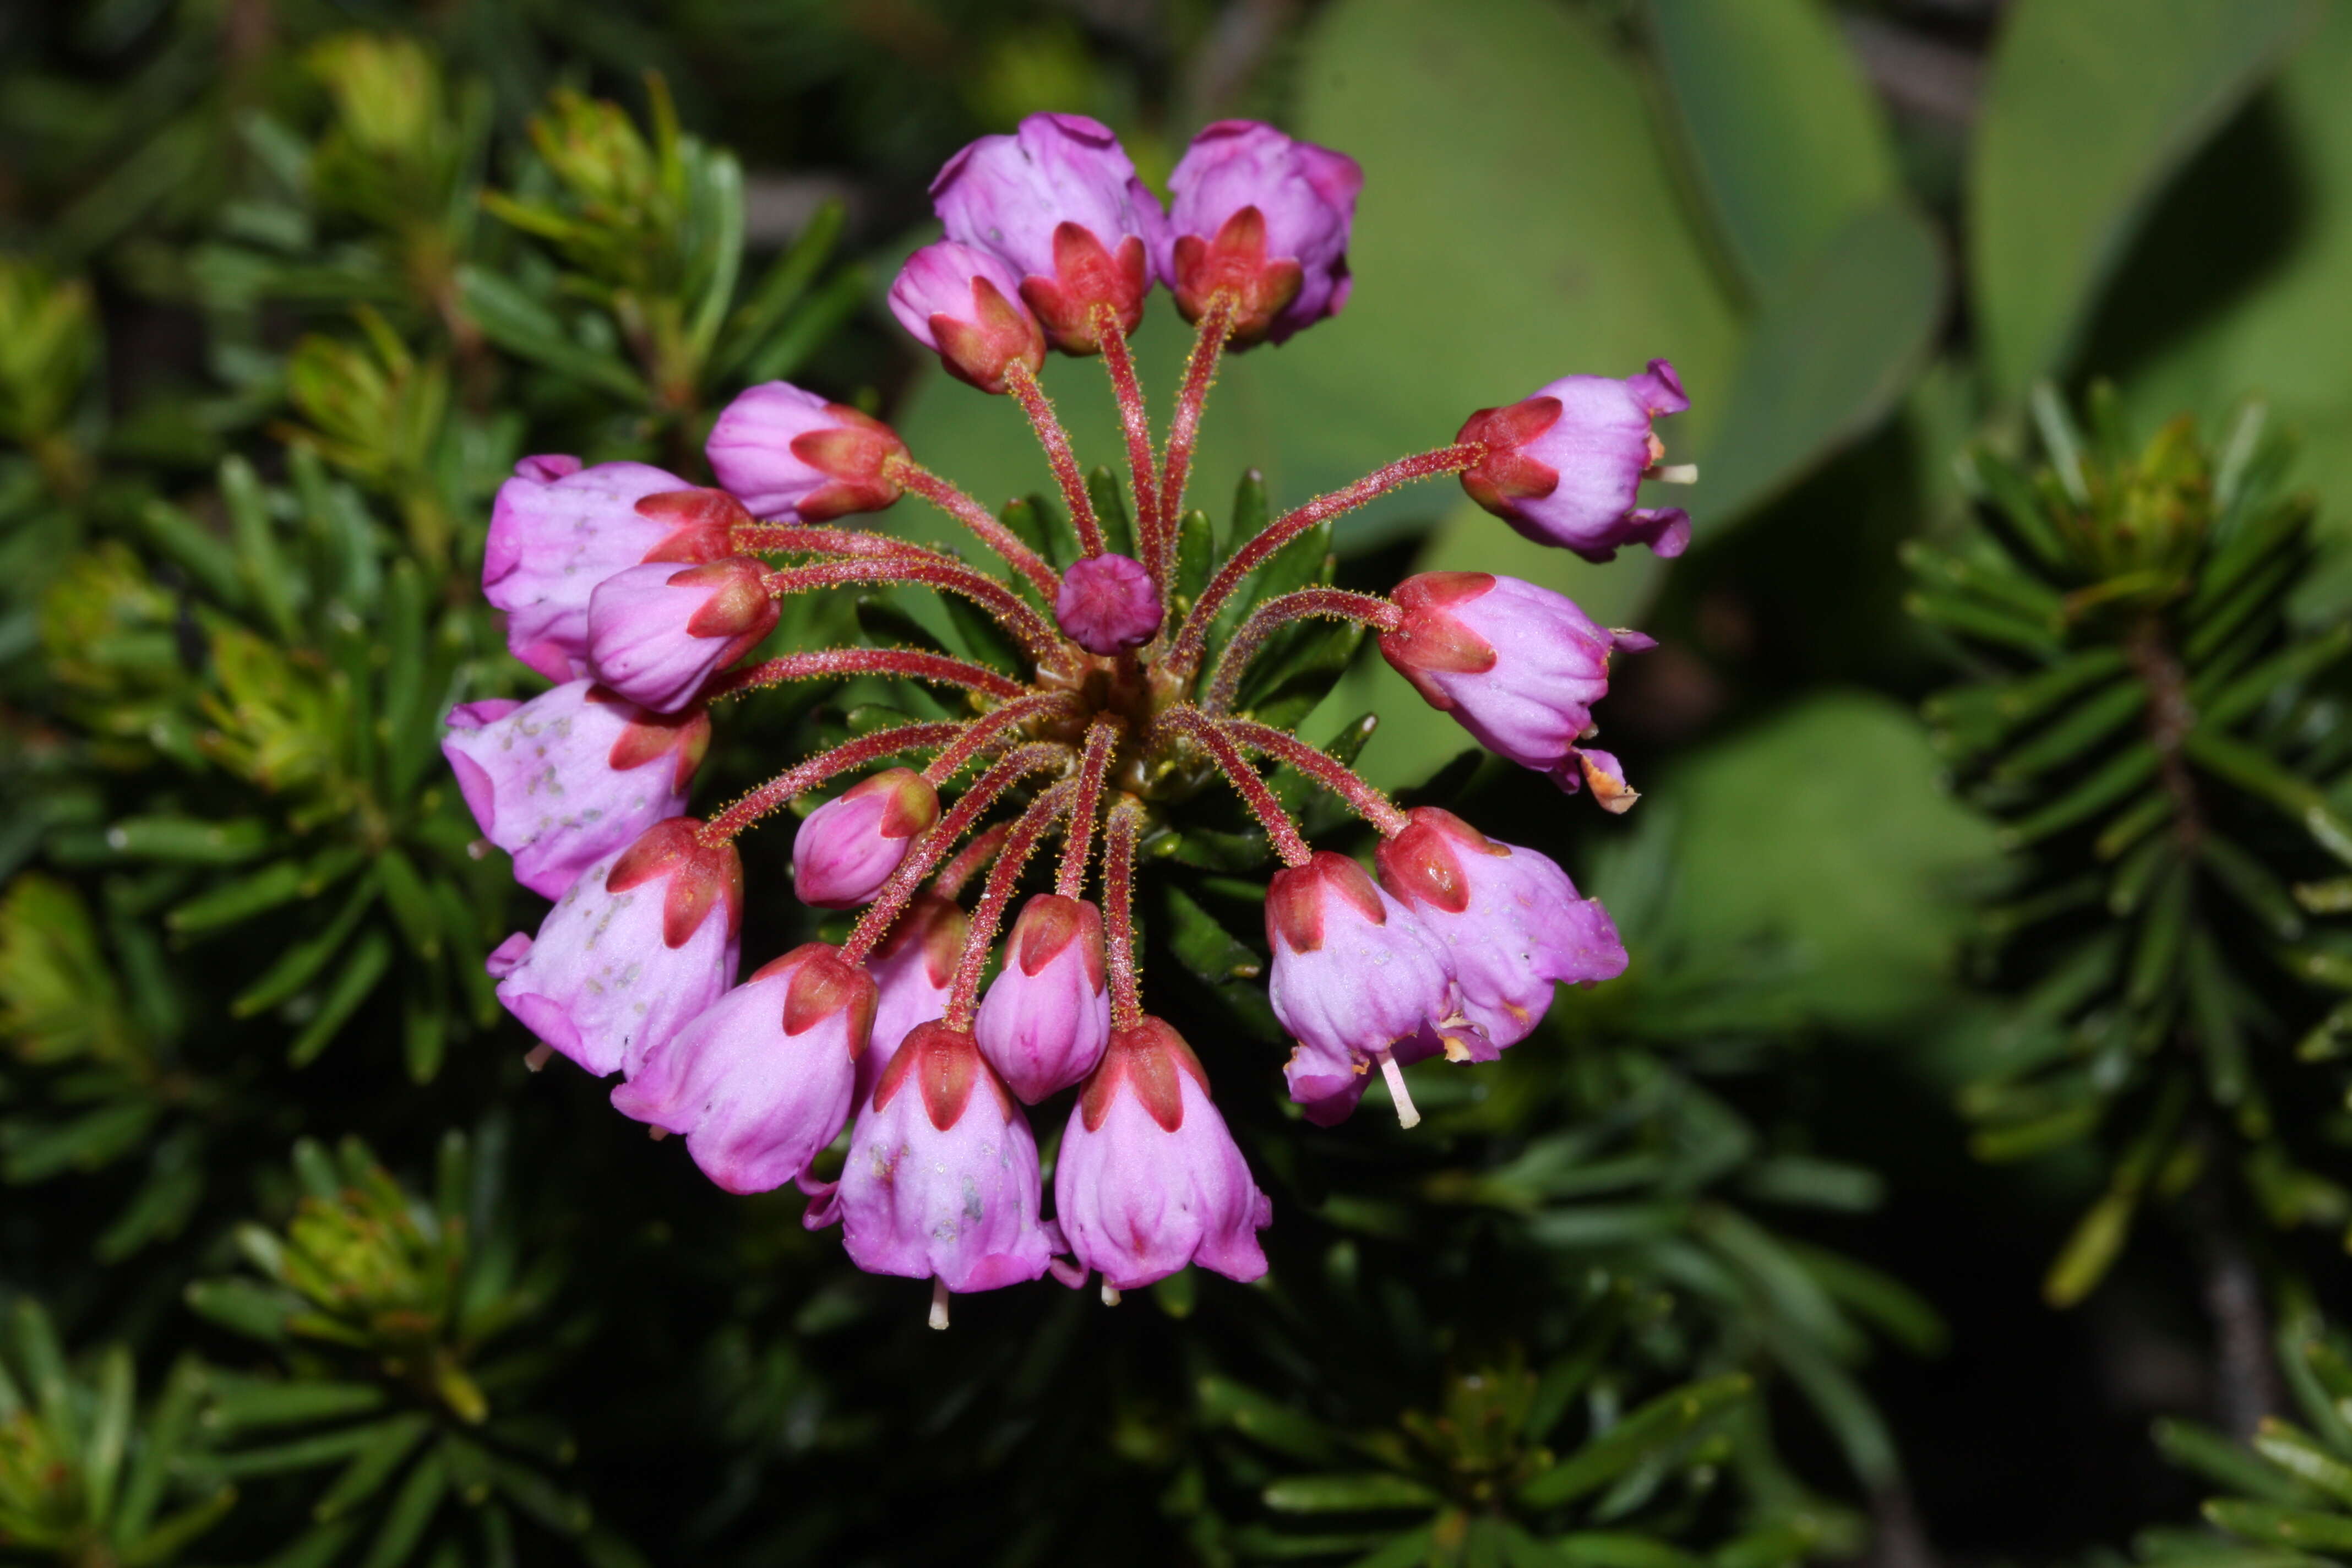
x,y
1150,523
807,774
907,663
1249,639
1094,769
1124,826
779,539
1185,652
1212,736
1022,381
1036,637
989,913
979,734
1333,774
1184,430
943,494
966,861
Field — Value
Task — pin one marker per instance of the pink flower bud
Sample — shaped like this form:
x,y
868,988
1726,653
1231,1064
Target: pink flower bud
x,y
1107,604
571,777
1263,220
557,530
1047,1014
761,1080
783,451
850,845
641,944
941,1179
1354,971
1565,466
1518,666
1058,203
914,968
1148,1179
966,305
656,632
1509,919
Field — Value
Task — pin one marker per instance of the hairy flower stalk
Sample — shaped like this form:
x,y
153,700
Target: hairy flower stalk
x,y
647,596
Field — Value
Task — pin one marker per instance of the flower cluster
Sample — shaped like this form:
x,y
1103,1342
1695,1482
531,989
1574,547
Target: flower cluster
x,y
642,593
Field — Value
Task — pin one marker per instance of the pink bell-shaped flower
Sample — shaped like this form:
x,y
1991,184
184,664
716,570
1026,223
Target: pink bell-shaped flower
x,y
1511,922
785,452
914,968
1107,604
1046,1016
571,775
1263,220
557,530
941,1179
761,1079
1565,466
1058,203
641,944
850,845
1518,666
965,305
656,632
1148,1179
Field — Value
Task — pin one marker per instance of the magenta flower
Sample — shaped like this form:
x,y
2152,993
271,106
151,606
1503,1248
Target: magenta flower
x,y
1261,220
941,1179
571,775
1148,1179
1058,203
1564,466
913,970
557,530
1518,666
1045,1018
965,305
783,451
850,845
656,632
1509,919
760,1080
1107,604
640,944
1327,1084
1354,973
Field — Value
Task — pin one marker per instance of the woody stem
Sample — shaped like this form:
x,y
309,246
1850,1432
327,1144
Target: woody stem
x,y
942,493
1249,639
1150,525
1330,772
1126,971
1211,736
907,663
1185,652
968,860
932,847
1022,380
1094,769
815,771
979,734
1184,430
1037,638
989,913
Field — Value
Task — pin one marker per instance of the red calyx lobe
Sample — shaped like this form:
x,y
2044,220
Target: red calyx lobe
x,y
739,605
1429,639
823,984
651,735
911,805
1422,864
700,875
1294,897
1234,263
1048,924
940,925
1001,332
852,455
1145,1060
1506,475
703,522
1087,274
945,1064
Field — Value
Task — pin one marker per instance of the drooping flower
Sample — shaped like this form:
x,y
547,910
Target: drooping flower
x,y
1327,1084
571,775
761,1079
557,530
914,968
656,632
1148,1179
1263,220
1564,466
783,451
643,941
1518,666
849,845
1510,919
941,1180
1107,604
1046,1016
965,305
1057,202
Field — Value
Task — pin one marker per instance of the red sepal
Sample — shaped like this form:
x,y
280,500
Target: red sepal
x,y
700,875
1506,475
1430,640
1146,1058
945,1064
979,351
852,453
936,922
1423,863
1258,288
651,735
702,524
823,984
1048,924
1295,896
1087,274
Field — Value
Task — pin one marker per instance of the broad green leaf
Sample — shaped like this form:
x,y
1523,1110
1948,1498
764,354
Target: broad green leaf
x,y
2090,107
